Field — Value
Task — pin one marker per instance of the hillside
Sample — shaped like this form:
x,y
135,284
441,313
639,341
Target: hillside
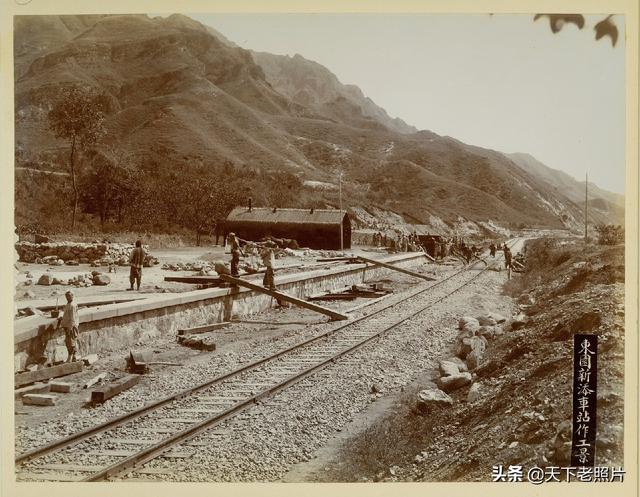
x,y
606,205
180,93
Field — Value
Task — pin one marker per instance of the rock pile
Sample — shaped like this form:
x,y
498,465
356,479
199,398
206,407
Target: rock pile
x,y
72,254
85,279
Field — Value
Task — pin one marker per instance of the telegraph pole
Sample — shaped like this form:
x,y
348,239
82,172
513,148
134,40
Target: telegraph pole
x,y
341,216
586,200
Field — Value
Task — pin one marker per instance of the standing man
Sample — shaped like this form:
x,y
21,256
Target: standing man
x,y
507,256
235,254
69,323
136,261
492,249
268,260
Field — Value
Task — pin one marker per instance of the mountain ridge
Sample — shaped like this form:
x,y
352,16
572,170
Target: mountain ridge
x,y
178,93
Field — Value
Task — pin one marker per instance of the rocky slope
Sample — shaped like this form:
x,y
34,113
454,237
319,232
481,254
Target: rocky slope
x,y
180,93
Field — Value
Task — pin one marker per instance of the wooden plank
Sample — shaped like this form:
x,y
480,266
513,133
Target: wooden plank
x,y
203,329
101,394
335,316
395,268
22,379
194,280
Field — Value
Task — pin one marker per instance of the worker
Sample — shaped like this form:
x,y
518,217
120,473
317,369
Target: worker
x,y
268,260
136,261
507,256
70,323
235,254
492,249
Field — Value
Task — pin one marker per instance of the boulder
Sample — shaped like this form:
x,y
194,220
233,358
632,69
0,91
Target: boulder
x,y
475,393
432,398
518,321
222,268
101,280
475,358
462,366
466,345
486,320
486,331
448,368
466,333
451,383
57,281
498,331
59,262
45,279
60,354
498,318
468,322
72,262
32,311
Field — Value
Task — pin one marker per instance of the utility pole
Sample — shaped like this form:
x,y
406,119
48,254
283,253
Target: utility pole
x,y
586,200
341,216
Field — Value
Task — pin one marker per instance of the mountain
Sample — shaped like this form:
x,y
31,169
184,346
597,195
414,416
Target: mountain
x,y
313,85
179,92
607,206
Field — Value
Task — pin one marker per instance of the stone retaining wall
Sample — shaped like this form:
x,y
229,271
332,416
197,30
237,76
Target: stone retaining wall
x,y
131,324
83,253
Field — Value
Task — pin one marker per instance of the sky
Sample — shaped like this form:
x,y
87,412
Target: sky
x,y
502,82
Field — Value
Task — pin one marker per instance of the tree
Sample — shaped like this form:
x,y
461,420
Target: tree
x,y
610,234
78,117
107,184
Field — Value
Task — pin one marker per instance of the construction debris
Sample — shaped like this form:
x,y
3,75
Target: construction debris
x,y
29,377
104,393
197,342
96,379
60,386
137,362
356,291
36,399
203,329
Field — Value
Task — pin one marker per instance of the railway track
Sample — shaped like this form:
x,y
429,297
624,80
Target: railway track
x,y
124,444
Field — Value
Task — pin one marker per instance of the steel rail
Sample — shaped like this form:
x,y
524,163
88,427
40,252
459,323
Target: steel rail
x,y
144,410
130,463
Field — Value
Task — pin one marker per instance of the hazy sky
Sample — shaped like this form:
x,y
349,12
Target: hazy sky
x,y
502,82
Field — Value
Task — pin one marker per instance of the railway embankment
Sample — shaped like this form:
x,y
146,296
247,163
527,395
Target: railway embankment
x,y
515,407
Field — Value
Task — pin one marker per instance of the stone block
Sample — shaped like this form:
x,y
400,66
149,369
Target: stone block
x,y
38,399
60,386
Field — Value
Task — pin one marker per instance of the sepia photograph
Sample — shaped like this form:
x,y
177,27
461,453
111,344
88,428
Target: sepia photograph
x,y
322,247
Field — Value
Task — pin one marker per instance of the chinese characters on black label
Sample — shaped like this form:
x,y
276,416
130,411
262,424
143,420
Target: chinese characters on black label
x,y
585,369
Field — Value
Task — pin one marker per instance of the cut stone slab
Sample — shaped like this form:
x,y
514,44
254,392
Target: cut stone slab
x,y
37,399
451,383
60,386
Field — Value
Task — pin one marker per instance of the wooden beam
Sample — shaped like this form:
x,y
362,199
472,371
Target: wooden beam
x,y
335,316
22,379
194,280
203,329
395,268
101,394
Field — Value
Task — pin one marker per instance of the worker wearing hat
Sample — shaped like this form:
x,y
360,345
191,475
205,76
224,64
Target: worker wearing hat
x,y
69,323
235,253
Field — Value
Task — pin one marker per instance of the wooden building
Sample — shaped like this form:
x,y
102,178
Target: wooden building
x,y
313,228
